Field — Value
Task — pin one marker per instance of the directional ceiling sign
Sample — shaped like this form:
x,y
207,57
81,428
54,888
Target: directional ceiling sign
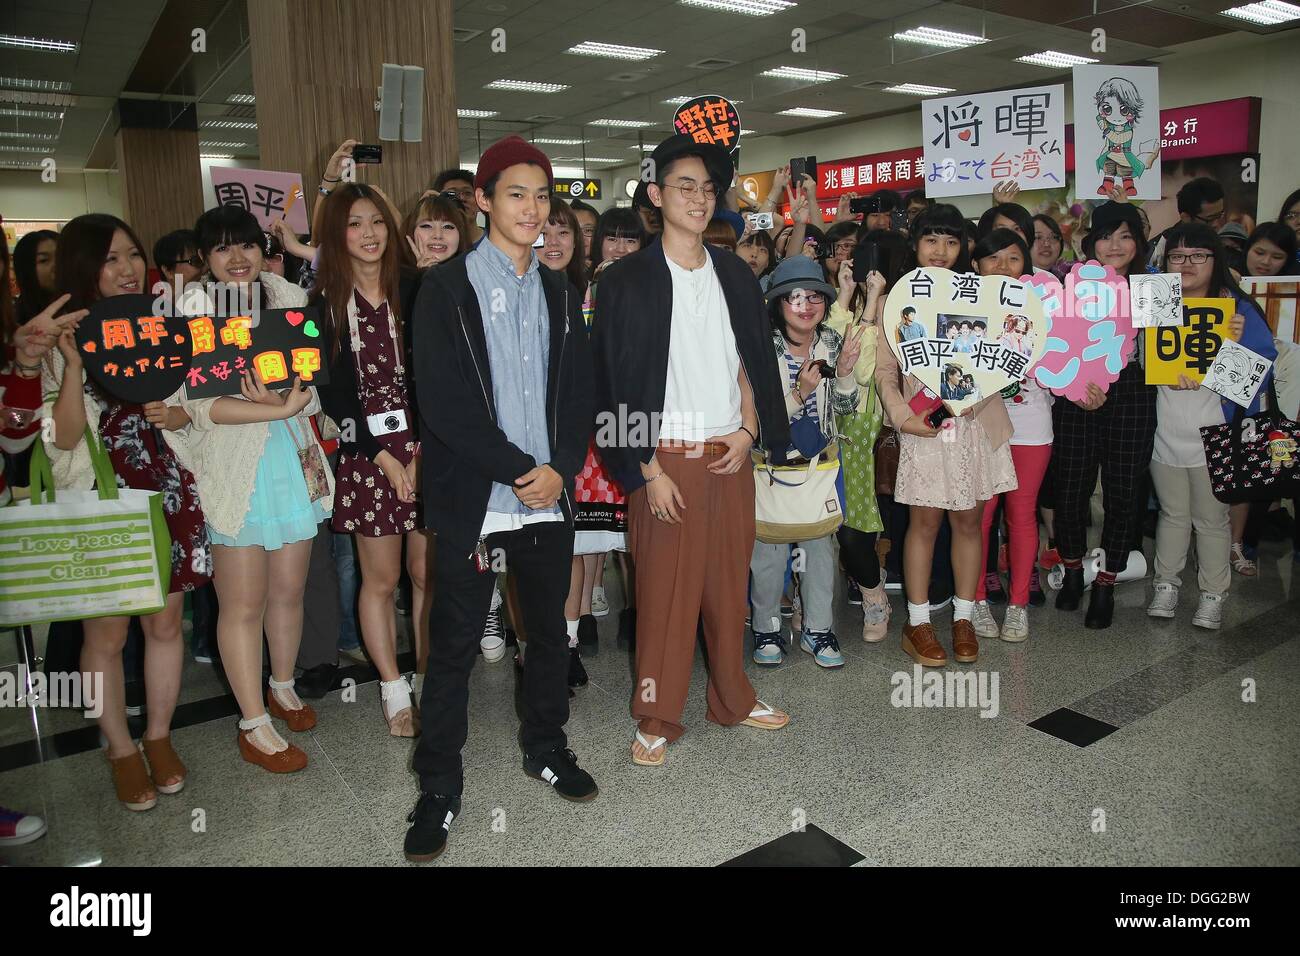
x,y
578,188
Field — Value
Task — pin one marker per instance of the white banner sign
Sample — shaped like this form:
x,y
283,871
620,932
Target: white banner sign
x,y
973,143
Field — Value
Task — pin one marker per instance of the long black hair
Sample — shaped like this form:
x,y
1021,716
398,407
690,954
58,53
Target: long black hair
x,y
1282,236
1197,235
941,219
1008,210
894,258
620,222
32,298
996,241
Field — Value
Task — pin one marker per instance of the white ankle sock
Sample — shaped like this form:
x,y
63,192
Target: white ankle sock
x,y
263,734
285,694
396,695
417,684
962,610
572,627
918,613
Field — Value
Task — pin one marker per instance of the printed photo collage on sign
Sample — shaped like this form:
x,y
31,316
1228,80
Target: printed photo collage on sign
x,y
965,337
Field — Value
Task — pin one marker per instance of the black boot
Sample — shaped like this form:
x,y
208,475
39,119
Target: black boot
x,y
627,628
1071,593
1101,608
587,635
577,673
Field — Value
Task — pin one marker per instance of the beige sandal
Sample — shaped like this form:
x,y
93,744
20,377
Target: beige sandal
x,y
765,710
650,748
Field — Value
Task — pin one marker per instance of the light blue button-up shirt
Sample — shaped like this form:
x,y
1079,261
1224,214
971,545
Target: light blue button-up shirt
x,y
518,329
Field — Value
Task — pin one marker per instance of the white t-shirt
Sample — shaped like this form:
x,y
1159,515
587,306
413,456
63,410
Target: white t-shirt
x,y
1179,417
702,390
1031,416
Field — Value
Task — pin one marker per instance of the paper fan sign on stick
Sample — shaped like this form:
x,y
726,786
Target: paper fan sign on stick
x,y
131,351
965,337
709,119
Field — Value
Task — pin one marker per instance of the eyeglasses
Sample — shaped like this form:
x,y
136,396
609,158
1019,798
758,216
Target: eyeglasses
x,y
1291,217
691,189
845,246
1195,258
807,298
195,262
1212,220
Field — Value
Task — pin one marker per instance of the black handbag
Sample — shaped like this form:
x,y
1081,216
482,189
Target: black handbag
x,y
1253,457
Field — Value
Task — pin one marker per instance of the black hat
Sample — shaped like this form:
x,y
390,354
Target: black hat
x,y
716,159
1109,215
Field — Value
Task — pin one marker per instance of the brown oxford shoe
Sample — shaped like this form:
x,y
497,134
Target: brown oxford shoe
x,y
922,646
965,645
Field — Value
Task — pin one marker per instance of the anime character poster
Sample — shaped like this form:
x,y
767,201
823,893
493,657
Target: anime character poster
x,y
1117,131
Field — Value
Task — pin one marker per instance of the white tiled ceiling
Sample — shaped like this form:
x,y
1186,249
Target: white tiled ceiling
x,y
852,37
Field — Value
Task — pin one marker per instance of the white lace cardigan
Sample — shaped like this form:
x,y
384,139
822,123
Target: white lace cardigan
x,y
222,458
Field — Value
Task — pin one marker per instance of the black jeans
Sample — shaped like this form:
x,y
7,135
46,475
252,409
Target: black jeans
x,y
539,558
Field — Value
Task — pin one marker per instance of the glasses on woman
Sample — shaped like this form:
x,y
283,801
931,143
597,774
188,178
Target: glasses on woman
x,y
807,298
848,246
1195,258
1292,218
690,189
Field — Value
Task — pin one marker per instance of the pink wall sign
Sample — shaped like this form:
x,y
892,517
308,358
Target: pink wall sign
x,y
268,195
1221,128
1091,336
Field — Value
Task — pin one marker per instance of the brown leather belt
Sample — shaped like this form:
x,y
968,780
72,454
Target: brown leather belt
x,y
695,448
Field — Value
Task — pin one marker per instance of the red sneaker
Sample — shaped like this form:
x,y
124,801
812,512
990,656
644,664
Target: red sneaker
x,y
1049,559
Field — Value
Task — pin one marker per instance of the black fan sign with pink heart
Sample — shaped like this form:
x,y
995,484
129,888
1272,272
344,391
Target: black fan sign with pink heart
x,y
282,345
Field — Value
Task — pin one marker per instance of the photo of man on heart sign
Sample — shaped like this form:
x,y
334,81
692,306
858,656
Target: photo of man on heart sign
x,y
963,336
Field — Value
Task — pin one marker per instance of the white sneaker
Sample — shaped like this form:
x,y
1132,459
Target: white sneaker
x,y
493,642
599,606
984,622
1209,613
1164,602
1015,626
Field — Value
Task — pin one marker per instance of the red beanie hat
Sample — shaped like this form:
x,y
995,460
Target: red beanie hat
x,y
508,152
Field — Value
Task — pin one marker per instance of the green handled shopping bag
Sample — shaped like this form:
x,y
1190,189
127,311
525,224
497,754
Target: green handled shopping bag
x,y
72,555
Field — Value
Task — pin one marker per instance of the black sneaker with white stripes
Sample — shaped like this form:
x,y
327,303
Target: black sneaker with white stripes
x,y
560,769
430,822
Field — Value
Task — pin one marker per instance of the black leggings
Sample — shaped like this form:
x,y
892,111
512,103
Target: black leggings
x,y
858,555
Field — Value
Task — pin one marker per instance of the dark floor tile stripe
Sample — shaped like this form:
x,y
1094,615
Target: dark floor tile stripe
x,y
1073,727
811,846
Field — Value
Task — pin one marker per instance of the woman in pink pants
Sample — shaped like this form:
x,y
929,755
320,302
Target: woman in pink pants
x,y
1003,253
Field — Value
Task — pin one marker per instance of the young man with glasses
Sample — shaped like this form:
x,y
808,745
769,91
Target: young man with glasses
x,y
505,417
177,254
686,385
1199,200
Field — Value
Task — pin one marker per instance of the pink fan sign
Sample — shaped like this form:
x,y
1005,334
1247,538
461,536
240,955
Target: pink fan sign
x,y
1091,335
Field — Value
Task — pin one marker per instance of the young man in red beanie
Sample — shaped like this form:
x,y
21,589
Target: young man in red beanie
x,y
685,370
505,414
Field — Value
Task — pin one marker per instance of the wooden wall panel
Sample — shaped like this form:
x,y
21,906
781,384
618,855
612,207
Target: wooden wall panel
x,y
317,67
161,179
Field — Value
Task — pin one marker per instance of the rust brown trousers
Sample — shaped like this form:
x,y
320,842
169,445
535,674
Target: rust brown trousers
x,y
684,571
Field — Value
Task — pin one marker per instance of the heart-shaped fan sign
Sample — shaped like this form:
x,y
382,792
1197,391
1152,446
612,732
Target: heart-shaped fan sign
x,y
964,336
131,351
